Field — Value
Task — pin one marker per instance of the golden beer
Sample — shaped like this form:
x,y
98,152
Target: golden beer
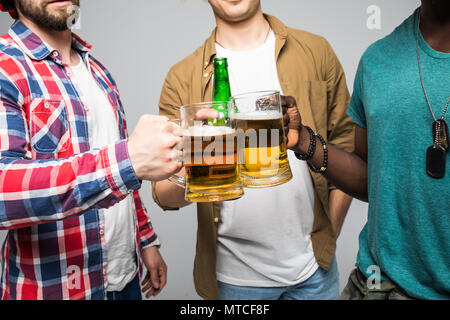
x,y
263,159
210,159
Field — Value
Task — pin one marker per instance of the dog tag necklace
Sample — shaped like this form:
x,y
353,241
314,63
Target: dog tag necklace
x,y
436,154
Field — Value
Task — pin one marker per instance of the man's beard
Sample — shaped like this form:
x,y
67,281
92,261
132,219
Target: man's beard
x,y
38,13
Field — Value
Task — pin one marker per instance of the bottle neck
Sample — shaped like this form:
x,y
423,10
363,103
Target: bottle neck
x,y
221,74
222,90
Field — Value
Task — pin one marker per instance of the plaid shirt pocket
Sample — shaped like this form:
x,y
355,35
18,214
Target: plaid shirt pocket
x,y
49,127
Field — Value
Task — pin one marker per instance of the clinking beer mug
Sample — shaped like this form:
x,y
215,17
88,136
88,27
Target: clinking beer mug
x,y
257,118
209,156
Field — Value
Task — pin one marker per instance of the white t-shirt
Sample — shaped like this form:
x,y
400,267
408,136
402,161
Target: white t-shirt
x,y
120,231
264,237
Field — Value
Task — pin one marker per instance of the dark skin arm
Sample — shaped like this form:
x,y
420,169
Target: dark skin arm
x,y
339,203
347,171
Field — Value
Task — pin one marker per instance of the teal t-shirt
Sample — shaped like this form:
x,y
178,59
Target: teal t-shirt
x,y
408,229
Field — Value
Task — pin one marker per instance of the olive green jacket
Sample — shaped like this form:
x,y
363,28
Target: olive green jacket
x,y
308,70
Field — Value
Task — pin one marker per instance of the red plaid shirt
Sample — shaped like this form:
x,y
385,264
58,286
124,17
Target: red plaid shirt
x,y
52,184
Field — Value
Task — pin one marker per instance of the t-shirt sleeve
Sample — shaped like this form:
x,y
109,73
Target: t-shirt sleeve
x,y
356,109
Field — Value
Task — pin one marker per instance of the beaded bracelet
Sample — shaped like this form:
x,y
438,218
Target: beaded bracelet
x,y
311,149
325,157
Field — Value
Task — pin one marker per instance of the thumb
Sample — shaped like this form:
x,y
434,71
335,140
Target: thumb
x,y
295,119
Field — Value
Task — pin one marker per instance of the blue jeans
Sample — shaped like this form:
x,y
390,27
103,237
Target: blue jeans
x,y
322,285
132,291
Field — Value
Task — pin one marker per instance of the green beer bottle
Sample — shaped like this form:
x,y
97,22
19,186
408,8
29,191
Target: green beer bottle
x,y
221,90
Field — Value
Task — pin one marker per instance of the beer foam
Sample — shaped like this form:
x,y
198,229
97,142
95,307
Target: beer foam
x,y
258,115
209,131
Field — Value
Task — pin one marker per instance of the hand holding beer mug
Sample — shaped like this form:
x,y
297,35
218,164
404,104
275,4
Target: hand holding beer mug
x,y
153,159
258,120
292,122
209,155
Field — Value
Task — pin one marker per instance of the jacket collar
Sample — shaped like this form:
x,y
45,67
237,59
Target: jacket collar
x,y
35,47
278,28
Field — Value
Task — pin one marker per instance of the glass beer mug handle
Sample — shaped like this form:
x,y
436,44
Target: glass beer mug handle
x,y
178,180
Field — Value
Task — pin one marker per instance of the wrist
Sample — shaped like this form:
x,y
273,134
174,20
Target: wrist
x,y
155,245
132,155
303,141
325,156
127,176
306,147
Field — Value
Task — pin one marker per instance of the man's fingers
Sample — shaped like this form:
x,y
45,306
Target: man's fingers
x,y
146,278
153,285
155,290
146,283
174,141
163,277
286,120
291,115
150,293
288,101
147,287
295,119
172,128
286,124
206,113
154,276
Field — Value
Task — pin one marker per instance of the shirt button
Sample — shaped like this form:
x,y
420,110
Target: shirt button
x,y
104,272
46,105
130,191
55,53
216,220
102,232
86,108
69,73
205,75
206,63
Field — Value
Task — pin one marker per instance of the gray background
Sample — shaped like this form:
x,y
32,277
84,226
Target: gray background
x,y
141,40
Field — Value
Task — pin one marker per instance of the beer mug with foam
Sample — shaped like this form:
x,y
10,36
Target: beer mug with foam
x,y
257,118
209,155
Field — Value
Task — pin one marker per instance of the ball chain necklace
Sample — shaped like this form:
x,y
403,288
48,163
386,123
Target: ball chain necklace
x,y
436,154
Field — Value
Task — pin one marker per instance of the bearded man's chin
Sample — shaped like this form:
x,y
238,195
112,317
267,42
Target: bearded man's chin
x,y
56,19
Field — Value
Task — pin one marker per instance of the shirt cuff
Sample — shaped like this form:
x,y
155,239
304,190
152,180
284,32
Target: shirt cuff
x,y
155,243
120,173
